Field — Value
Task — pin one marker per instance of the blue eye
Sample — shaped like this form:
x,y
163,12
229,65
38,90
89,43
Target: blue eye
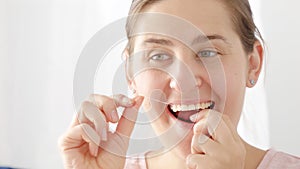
x,y
160,57
207,53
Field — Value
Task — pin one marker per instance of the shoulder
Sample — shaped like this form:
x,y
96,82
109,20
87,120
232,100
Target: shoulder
x,y
275,160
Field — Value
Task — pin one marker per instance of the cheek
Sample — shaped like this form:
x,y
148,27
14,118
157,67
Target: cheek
x,y
150,81
152,84
235,87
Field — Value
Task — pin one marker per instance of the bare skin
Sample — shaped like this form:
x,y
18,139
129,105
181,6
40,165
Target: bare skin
x,y
84,144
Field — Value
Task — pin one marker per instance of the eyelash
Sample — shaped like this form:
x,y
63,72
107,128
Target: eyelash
x,y
159,55
212,53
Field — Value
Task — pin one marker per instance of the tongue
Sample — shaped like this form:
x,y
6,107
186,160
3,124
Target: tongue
x,y
185,115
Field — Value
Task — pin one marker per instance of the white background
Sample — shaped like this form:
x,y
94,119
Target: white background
x,y
41,40
281,30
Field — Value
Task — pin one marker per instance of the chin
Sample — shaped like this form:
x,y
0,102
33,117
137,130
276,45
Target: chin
x,y
177,137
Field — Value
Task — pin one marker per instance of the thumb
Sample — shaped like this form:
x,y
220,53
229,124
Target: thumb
x,y
127,121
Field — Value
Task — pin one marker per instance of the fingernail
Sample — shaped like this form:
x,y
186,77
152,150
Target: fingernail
x,y
114,116
96,152
104,134
191,164
194,117
127,101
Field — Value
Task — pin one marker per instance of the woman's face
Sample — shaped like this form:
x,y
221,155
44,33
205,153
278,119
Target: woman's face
x,y
210,73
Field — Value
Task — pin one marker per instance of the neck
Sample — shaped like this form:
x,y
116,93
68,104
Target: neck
x,y
162,159
253,156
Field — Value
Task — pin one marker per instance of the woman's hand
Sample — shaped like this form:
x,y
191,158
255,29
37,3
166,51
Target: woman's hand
x,y
88,144
216,143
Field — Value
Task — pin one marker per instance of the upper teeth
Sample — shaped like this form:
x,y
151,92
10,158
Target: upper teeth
x,y
183,107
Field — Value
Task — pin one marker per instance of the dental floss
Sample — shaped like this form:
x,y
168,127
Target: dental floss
x,y
153,99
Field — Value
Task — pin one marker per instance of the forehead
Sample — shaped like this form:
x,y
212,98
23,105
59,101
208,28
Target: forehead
x,y
150,40
209,16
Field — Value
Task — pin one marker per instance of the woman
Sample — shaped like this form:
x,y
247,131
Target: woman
x,y
201,84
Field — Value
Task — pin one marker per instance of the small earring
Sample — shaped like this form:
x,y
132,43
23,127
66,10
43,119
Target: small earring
x,y
131,92
252,82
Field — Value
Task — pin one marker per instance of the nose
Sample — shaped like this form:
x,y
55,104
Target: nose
x,y
185,85
184,79
186,73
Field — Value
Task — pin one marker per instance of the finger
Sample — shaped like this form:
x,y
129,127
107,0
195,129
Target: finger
x,y
90,114
201,144
199,161
89,137
213,121
196,161
213,125
200,127
74,121
218,129
79,117
200,120
199,116
78,135
198,139
117,101
93,148
122,100
108,105
127,121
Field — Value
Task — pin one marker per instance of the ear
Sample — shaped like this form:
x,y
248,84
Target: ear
x,y
255,62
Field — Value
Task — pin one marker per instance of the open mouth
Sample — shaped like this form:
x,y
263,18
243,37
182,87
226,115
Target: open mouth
x,y
184,111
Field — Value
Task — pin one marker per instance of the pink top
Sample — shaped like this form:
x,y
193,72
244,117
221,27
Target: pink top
x,y
272,160
279,160
138,162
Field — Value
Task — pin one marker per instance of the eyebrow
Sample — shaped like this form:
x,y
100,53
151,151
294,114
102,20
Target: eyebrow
x,y
198,39
159,41
201,39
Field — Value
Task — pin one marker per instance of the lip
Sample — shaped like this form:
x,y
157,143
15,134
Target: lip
x,y
181,122
184,122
